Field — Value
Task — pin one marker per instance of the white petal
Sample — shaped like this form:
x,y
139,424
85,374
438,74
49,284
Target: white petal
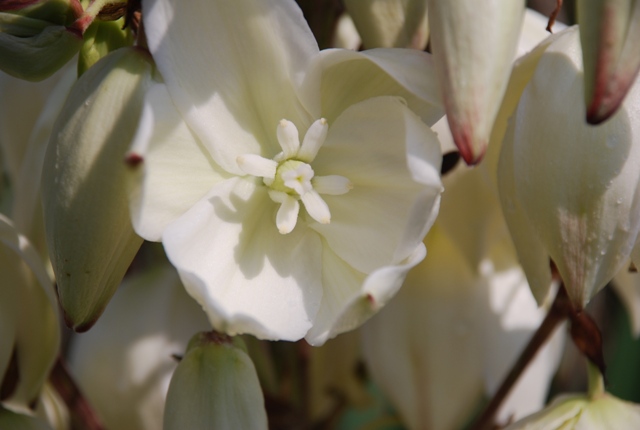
x,y
175,171
509,320
316,207
233,69
348,77
395,187
287,216
533,256
578,184
423,348
256,165
313,140
334,185
288,138
349,300
248,277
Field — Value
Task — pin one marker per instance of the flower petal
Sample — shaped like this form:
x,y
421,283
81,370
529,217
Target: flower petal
x,y
238,76
578,184
350,298
424,347
235,263
396,183
348,77
175,172
533,256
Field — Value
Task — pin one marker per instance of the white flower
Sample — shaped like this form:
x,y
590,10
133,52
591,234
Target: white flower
x,y
291,199
569,191
595,410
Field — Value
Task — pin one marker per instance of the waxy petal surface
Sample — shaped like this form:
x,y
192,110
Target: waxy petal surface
x,y
474,44
234,262
242,69
396,183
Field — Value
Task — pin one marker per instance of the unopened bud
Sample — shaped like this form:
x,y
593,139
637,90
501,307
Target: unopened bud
x,y
89,233
215,387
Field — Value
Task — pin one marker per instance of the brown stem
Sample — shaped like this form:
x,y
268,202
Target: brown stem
x,y
82,415
554,15
559,311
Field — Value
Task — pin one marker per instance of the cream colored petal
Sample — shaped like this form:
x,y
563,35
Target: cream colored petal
x,y
248,276
174,169
578,184
424,347
396,187
233,70
347,77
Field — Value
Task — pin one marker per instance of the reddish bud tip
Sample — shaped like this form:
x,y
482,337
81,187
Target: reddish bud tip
x,y
133,159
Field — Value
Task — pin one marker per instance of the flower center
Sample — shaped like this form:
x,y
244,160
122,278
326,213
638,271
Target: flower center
x,y
290,177
293,177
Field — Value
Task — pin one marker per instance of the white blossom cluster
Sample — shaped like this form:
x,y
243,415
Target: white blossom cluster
x,y
242,222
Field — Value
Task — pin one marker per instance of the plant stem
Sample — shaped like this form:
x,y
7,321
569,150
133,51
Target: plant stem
x,y
560,310
82,415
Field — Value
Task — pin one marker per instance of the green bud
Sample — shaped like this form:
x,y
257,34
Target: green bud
x,y
101,38
29,322
214,387
60,12
594,410
15,421
34,49
89,234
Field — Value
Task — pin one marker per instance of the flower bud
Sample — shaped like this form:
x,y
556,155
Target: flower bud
x,y
29,333
390,23
215,387
595,410
474,44
101,38
609,34
16,421
34,38
60,12
89,233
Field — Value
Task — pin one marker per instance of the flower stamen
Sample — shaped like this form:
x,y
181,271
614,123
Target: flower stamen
x,y
256,165
290,177
313,140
